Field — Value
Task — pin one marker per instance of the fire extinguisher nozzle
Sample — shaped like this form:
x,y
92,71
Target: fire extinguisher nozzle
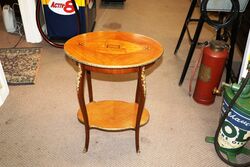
x,y
217,92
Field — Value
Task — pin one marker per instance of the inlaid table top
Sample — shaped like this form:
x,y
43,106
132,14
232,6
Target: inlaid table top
x,y
113,49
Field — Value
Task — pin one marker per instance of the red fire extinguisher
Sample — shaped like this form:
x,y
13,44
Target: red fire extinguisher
x,y
211,70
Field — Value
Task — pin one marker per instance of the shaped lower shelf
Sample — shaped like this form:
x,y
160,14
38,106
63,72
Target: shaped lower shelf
x,y
113,115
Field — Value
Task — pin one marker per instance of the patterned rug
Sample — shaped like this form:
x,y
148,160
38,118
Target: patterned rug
x,y
20,65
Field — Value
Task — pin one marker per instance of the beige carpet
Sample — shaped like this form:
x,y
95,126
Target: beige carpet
x,y
38,124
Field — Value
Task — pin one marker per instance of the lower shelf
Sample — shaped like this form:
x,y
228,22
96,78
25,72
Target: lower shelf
x,y
113,115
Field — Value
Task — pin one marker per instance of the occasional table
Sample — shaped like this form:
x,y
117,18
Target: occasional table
x,y
112,53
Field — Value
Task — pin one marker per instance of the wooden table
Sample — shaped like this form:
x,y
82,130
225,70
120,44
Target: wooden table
x,y
112,53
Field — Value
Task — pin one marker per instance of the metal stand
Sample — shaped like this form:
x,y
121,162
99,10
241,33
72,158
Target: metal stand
x,y
115,2
184,28
195,38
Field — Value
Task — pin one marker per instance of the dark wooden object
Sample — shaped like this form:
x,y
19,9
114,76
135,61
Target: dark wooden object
x,y
244,29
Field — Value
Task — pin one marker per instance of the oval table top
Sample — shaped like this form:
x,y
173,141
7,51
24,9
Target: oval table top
x,y
113,50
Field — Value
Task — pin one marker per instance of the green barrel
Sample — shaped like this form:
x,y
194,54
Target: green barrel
x,y
236,129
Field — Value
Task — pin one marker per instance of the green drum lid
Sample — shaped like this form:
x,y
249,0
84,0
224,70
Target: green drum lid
x,y
243,104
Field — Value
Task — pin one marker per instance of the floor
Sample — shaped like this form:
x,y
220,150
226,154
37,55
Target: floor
x,y
38,124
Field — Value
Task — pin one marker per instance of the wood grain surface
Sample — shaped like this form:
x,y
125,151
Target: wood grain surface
x,y
113,49
113,115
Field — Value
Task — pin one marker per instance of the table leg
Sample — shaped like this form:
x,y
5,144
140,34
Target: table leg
x,y
89,86
141,98
137,95
80,94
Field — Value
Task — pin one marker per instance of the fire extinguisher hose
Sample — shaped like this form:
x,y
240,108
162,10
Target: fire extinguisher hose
x,y
222,120
38,9
193,74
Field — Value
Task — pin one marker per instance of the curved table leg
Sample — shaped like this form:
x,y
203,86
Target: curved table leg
x,y
141,96
89,86
137,95
80,94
